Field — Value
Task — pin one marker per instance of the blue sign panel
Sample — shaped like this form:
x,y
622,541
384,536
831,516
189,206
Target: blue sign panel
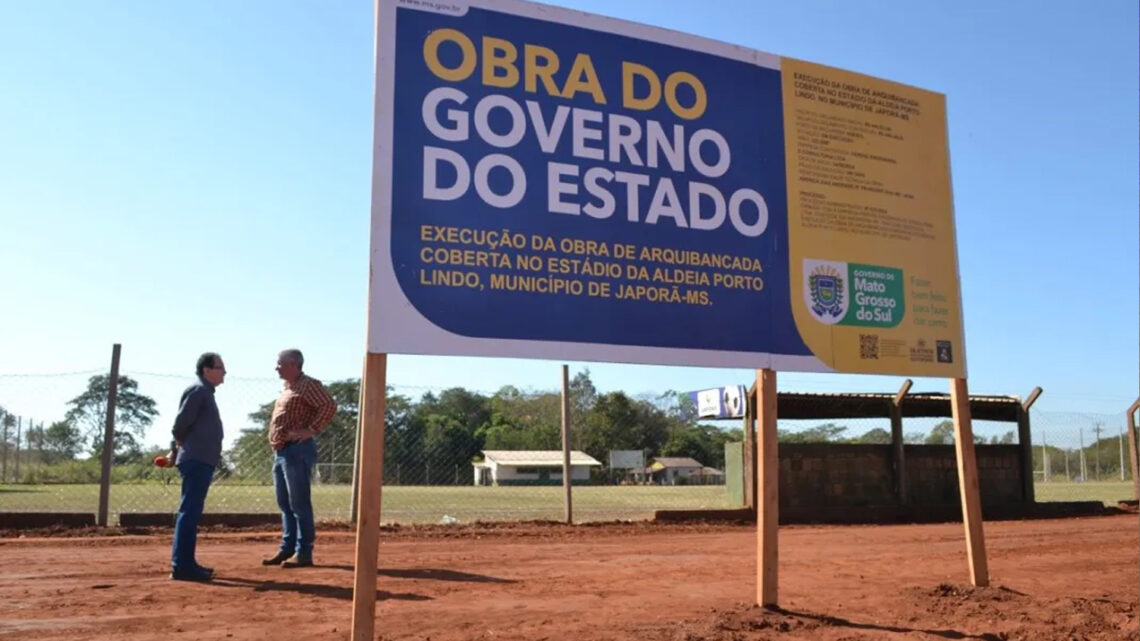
x,y
553,184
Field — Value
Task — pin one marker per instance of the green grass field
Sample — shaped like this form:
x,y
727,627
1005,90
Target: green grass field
x,y
424,504
400,504
1107,491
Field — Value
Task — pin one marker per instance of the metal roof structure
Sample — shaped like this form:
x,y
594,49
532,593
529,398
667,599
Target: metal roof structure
x,y
802,405
536,458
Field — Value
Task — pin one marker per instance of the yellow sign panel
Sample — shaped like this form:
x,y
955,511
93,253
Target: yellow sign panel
x,y
873,260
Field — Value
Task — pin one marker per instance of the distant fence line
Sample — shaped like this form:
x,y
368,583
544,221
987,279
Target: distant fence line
x,y
47,460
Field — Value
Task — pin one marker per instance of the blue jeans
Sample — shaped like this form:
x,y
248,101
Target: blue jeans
x,y
196,477
292,475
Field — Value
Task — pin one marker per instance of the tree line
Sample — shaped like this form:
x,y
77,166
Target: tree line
x,y
431,439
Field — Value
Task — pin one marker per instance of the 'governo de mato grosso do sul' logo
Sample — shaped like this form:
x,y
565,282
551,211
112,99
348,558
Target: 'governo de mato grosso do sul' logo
x,y
825,290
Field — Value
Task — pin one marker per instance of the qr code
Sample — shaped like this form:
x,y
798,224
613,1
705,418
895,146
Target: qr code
x,y
868,346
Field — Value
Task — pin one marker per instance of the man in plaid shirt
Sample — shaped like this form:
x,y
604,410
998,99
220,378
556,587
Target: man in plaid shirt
x,y
299,414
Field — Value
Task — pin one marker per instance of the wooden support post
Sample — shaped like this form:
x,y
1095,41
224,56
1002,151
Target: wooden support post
x,y
1133,451
371,479
768,491
968,483
1025,439
109,437
566,480
897,441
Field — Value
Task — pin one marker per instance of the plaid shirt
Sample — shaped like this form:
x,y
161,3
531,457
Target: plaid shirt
x,y
303,405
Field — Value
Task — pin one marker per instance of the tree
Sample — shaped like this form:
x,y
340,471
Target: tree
x,y
134,413
828,432
583,395
876,436
61,442
450,426
942,434
618,422
250,457
336,445
526,421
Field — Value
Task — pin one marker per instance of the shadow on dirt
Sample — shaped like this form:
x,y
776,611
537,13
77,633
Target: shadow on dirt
x,y
343,593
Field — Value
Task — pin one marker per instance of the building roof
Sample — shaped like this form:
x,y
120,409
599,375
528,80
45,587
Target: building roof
x,y
675,461
802,405
537,458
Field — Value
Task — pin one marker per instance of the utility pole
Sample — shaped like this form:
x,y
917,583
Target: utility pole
x,y
1096,444
1084,469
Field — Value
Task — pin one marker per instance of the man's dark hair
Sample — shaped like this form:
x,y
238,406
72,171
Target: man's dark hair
x,y
209,359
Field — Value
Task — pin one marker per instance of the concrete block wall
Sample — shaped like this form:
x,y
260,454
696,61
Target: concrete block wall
x,y
849,475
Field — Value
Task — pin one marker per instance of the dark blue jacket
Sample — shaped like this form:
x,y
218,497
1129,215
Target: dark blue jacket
x,y
198,425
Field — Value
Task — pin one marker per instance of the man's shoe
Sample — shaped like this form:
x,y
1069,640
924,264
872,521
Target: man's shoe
x,y
276,559
298,562
198,575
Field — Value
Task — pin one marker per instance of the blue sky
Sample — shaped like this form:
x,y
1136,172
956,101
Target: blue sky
x,y
181,177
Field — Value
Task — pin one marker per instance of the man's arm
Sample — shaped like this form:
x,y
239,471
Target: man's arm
x,y
187,414
322,403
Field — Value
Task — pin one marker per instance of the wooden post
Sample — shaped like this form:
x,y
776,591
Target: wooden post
x,y
109,437
354,507
566,480
1025,439
371,479
968,483
749,452
768,492
1133,452
897,441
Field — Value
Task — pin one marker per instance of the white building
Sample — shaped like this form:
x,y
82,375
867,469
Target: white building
x,y
531,467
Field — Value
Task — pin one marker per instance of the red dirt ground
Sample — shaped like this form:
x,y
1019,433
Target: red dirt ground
x,y
1055,579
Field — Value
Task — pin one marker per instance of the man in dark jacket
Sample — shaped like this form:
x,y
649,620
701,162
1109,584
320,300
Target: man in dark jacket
x,y
198,437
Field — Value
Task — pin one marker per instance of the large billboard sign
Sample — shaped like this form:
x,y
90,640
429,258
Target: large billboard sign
x,y
554,184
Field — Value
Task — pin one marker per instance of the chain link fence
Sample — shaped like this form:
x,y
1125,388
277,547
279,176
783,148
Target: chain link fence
x,y
435,443
1079,456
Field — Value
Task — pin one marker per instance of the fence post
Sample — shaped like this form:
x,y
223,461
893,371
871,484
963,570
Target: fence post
x,y
354,505
4,444
1025,439
895,411
750,450
566,469
1133,453
19,432
1120,442
109,436
1084,472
